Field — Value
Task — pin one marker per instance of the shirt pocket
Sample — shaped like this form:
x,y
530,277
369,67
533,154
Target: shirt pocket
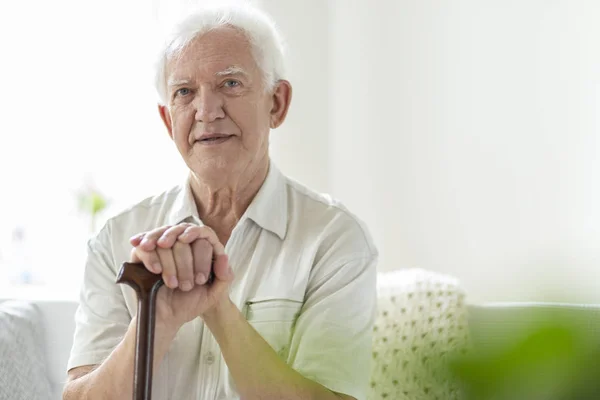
x,y
274,320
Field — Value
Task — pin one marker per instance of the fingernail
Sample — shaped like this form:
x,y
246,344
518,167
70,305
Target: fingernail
x,y
200,279
156,268
230,270
185,286
173,282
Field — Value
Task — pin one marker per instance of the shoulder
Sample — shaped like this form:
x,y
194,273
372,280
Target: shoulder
x,y
325,218
149,213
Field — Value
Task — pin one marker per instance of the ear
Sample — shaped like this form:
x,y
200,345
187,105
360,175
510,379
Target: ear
x,y
166,117
282,97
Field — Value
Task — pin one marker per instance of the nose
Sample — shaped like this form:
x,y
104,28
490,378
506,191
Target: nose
x,y
209,105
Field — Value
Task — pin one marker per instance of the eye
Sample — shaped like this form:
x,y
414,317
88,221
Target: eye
x,y
182,92
231,83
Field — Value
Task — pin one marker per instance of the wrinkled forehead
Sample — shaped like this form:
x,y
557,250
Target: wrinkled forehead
x,y
213,52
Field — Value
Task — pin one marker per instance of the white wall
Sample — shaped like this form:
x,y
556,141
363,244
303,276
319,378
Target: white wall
x,y
464,132
301,145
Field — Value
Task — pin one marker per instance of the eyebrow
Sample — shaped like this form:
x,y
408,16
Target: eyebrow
x,y
233,70
178,82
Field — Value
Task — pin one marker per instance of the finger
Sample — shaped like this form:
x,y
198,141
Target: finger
x,y
195,232
203,254
148,258
184,264
148,243
169,237
136,239
169,272
133,257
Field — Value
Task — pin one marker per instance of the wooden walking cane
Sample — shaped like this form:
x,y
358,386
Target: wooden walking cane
x,y
146,285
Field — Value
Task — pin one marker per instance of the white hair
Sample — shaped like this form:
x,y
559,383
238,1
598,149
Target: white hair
x,y
266,43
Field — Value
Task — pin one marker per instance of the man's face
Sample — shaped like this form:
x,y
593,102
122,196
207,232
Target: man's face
x,y
218,112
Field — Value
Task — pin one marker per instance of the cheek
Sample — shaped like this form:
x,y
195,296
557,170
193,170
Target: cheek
x,y
253,120
183,120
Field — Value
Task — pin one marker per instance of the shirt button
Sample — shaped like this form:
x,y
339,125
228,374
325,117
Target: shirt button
x,y
209,358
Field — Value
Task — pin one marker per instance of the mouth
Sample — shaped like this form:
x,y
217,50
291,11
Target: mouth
x,y
214,139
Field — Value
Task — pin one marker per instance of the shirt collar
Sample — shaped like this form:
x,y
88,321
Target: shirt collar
x,y
184,206
268,209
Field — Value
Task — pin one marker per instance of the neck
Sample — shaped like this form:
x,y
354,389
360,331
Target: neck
x,y
221,205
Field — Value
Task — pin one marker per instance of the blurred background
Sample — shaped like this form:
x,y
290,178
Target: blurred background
x,y
465,133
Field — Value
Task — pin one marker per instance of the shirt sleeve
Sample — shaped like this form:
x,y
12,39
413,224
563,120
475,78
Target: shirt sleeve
x,y
102,317
332,339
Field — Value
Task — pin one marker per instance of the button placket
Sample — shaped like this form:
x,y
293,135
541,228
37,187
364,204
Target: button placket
x,y
209,358
209,365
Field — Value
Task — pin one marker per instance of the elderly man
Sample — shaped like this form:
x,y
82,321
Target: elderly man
x,y
289,313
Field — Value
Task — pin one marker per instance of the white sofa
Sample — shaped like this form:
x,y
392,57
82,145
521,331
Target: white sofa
x,y
417,308
56,326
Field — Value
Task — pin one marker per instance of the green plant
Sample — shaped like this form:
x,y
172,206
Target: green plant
x,y
557,360
92,203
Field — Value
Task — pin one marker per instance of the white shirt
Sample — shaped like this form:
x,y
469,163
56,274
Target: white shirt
x,y
305,278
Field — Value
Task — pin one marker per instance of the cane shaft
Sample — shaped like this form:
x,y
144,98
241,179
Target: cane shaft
x,y
146,285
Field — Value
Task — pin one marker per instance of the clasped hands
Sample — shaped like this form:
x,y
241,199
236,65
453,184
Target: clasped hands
x,y
184,254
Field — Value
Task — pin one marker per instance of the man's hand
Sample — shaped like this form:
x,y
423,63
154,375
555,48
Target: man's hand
x,y
184,254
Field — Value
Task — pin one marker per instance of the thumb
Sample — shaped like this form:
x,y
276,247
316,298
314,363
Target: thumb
x,y
221,269
223,275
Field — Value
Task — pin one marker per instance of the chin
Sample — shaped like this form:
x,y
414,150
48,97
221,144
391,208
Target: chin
x,y
216,167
